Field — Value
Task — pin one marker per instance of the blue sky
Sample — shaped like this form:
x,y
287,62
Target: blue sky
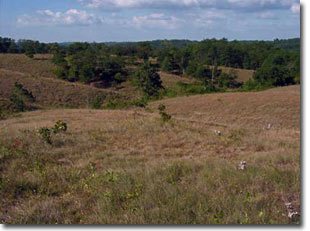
x,y
137,20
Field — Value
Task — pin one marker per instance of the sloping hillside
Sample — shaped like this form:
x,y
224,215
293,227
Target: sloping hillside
x,y
51,92
279,107
132,167
242,74
40,66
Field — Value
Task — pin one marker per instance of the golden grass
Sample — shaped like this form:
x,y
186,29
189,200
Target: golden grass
x,y
169,80
243,74
39,66
279,107
52,92
128,167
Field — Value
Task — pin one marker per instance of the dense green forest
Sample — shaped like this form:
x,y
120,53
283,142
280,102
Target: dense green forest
x,y
276,63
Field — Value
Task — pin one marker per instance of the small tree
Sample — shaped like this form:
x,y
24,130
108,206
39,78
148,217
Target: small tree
x,y
164,115
228,80
149,80
97,102
18,103
29,52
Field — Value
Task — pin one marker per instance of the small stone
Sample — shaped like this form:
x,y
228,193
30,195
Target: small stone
x,y
292,214
217,132
242,165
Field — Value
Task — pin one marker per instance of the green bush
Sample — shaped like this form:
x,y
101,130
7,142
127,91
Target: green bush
x,y
46,134
61,72
97,102
253,85
162,111
60,126
24,92
18,103
140,102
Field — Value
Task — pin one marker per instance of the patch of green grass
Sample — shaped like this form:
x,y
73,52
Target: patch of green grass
x,y
123,104
182,89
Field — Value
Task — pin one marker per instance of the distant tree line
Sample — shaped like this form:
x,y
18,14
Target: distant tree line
x,y
8,45
276,63
88,63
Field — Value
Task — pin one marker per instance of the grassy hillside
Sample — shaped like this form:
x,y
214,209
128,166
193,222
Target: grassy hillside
x,y
51,92
36,75
132,167
242,74
40,66
278,106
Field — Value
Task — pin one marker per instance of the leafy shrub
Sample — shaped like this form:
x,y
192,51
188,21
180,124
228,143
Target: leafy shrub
x,y
140,102
162,111
18,103
46,134
254,85
60,126
97,102
24,92
228,80
29,53
61,72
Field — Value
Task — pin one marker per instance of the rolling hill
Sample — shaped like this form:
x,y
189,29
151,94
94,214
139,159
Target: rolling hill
x,y
125,166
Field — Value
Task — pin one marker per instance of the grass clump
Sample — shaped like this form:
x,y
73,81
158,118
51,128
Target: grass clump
x,y
24,92
165,117
18,103
113,104
46,133
97,102
183,89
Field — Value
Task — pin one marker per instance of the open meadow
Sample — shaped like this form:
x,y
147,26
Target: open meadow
x,y
128,166
139,134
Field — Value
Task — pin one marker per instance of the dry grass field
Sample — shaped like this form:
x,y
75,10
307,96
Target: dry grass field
x,y
169,80
52,92
243,75
40,66
131,167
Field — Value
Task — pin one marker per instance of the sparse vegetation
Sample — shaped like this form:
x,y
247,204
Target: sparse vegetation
x,y
97,103
150,174
18,103
46,133
123,166
162,111
148,80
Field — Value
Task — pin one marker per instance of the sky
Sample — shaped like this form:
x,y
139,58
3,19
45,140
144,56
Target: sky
x,y
140,20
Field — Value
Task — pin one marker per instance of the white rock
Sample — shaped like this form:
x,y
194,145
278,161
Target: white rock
x,y
242,165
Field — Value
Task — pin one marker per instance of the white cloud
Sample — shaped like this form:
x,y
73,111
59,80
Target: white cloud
x,y
254,5
157,20
208,18
295,8
48,17
112,4
266,15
